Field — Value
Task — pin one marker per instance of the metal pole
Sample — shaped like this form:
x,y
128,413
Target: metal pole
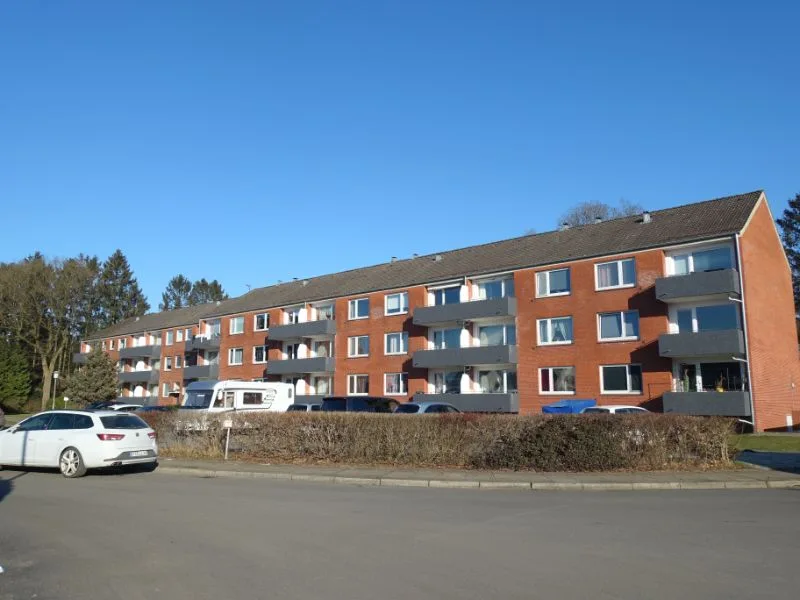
x,y
55,382
227,442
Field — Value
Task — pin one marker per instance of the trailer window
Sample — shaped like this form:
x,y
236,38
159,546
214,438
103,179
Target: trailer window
x,y
251,398
229,398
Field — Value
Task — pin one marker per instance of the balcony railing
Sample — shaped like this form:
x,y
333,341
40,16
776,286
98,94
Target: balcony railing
x,y
696,285
151,351
501,403
201,371
465,311
309,329
726,404
462,357
728,342
202,343
320,364
145,376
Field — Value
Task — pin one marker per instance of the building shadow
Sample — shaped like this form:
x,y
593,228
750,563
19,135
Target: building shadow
x,y
7,485
786,462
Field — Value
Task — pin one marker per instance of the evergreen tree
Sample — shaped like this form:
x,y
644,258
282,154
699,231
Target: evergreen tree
x,y
177,294
96,381
15,376
119,294
206,291
789,225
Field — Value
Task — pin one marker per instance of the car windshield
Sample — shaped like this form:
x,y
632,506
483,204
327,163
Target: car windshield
x,y
594,410
407,408
297,408
126,421
198,399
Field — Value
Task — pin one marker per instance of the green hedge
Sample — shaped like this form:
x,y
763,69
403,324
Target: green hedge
x,y
540,443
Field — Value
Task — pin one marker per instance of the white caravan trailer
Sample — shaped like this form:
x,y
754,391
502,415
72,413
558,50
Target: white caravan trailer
x,y
214,397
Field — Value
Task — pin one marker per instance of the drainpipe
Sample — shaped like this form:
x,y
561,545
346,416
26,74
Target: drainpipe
x,y
744,325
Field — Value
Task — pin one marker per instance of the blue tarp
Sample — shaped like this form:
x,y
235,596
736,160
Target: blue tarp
x,y
568,406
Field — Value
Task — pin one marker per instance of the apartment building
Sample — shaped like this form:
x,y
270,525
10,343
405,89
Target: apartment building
x,y
685,310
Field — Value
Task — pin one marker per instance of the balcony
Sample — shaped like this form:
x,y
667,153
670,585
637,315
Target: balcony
x,y
462,357
139,376
728,342
201,371
698,285
465,311
502,403
141,352
725,404
202,343
309,329
79,358
320,364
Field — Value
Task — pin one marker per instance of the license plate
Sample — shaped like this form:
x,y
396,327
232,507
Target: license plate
x,y
140,453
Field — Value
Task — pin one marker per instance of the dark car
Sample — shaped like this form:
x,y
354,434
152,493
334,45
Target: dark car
x,y
373,404
103,404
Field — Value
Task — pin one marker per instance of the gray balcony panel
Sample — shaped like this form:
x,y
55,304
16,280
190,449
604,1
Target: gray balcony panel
x,y
139,376
694,285
301,365
504,403
726,404
465,311
79,358
461,357
201,372
202,343
303,330
141,352
729,342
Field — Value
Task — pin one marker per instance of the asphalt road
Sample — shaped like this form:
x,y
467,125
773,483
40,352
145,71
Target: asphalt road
x,y
145,536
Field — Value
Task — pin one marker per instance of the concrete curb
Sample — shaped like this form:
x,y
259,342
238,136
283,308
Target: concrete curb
x,y
560,486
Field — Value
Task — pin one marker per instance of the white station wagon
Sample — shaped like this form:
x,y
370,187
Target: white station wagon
x,y
74,441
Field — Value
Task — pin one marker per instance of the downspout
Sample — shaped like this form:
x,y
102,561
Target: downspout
x,y
744,325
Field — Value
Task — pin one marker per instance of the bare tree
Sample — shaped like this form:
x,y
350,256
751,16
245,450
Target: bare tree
x,y
588,212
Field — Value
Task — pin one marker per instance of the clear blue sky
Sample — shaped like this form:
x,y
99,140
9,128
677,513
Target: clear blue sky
x,y
264,140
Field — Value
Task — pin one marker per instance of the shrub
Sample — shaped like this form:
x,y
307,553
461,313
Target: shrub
x,y
541,443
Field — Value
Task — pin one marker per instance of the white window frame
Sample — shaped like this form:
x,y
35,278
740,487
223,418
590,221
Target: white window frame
x,y
110,344
624,338
403,343
266,321
178,335
231,352
629,392
477,332
539,293
675,308
168,363
690,252
351,387
123,343
549,321
352,346
266,350
239,319
178,362
433,332
476,286
550,371
403,384
619,262
351,309
170,338
187,334
403,304
165,390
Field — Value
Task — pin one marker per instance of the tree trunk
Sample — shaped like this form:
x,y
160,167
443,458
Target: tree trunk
x,y
47,381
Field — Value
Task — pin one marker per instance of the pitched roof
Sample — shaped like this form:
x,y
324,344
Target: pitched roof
x,y
680,224
156,321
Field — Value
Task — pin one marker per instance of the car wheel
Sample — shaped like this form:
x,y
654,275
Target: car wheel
x,y
71,464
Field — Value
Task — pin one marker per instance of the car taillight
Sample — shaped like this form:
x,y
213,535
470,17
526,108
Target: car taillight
x,y
111,437
152,435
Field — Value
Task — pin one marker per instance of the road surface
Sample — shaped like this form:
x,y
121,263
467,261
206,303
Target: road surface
x,y
144,536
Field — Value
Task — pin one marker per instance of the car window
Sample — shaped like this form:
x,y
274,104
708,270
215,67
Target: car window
x,y
296,408
83,422
595,410
126,421
450,409
434,408
36,423
407,409
62,421
315,407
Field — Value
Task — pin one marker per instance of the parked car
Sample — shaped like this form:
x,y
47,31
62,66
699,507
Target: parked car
x,y
125,407
301,407
374,404
418,408
76,440
156,408
2,418
614,409
103,404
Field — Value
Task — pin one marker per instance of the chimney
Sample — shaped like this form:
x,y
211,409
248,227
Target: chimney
x,y
437,258
564,226
598,220
646,217
305,282
394,259
415,255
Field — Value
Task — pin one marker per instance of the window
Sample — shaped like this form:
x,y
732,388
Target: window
x,y
718,317
292,314
448,295
322,385
252,398
553,283
358,346
37,423
237,325
618,326
358,385
395,384
111,344
621,379
322,348
497,335
235,356
292,351
497,381
710,377
615,274
446,338
179,335
122,343
168,363
496,288
397,304
165,389
61,421
261,322
103,345
325,312
557,330
557,380
259,354
178,361
712,259
358,309
188,334
397,343
447,382
170,337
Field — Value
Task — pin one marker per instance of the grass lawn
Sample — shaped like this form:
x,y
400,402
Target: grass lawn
x,y
774,442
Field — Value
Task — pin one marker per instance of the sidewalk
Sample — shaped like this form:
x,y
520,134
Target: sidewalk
x,y
745,478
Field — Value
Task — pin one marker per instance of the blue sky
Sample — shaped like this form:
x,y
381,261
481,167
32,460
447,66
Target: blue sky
x,y
265,140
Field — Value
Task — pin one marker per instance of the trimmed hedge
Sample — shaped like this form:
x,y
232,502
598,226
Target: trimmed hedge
x,y
540,443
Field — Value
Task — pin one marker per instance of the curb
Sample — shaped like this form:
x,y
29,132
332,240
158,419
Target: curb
x,y
489,485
